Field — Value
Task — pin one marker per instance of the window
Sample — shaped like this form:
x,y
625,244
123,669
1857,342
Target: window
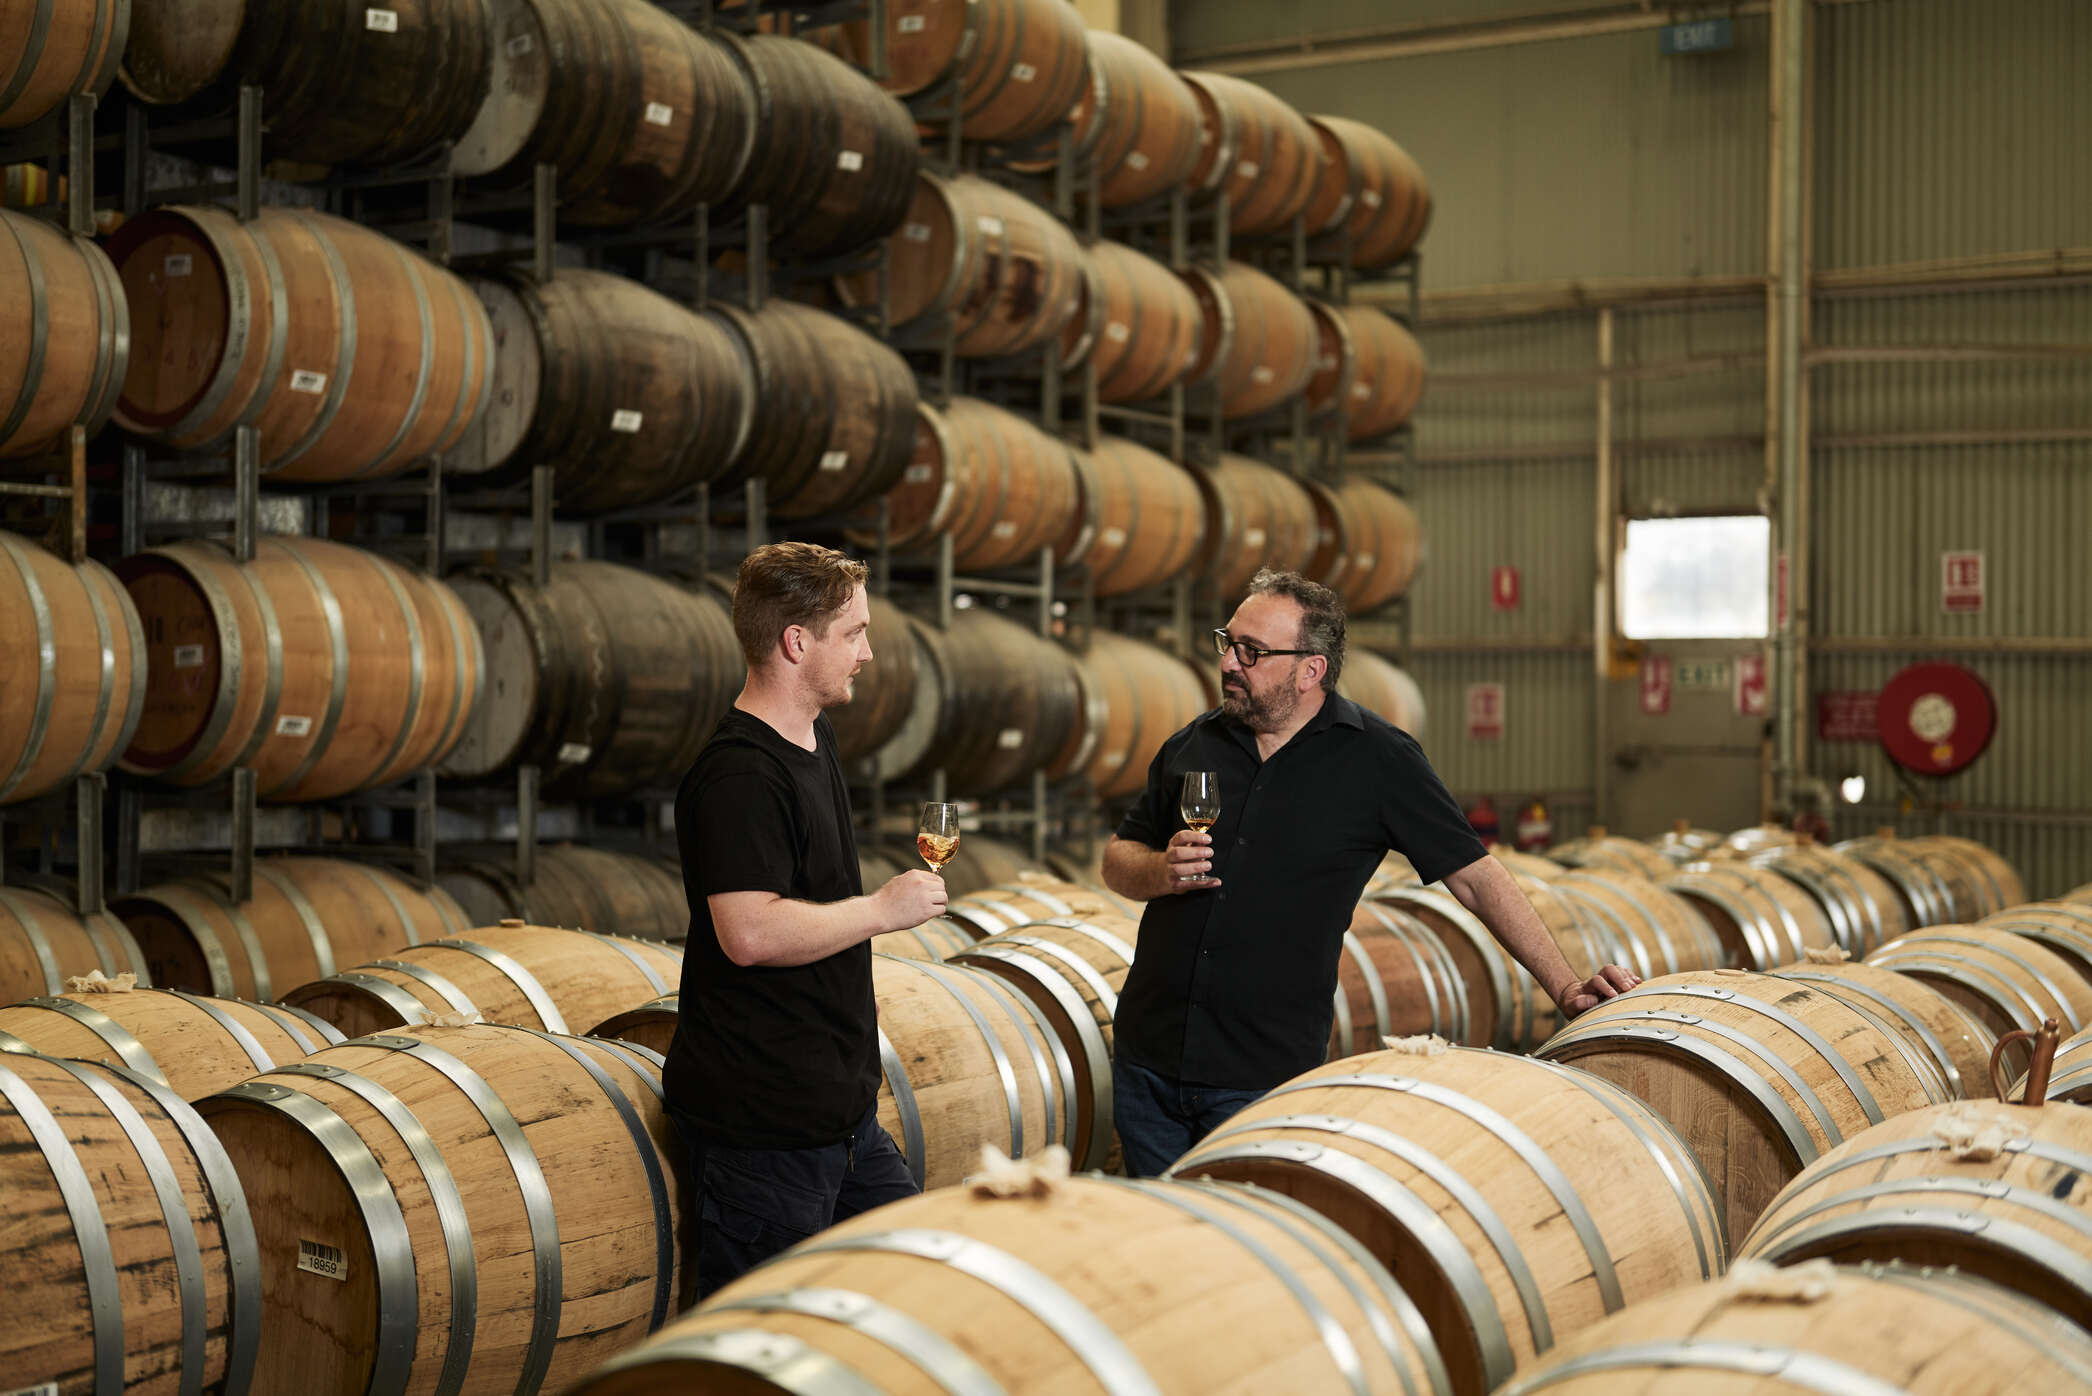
x,y
1696,578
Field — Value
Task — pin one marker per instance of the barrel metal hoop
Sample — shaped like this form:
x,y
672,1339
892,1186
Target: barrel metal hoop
x,y
294,1025
2026,1245
1832,901
198,564
1004,1071
787,1363
1464,921
119,1038
445,989
1092,1341
39,296
399,909
1341,1006
105,690
338,649
250,943
329,1034
345,358
1103,937
2032,1148
10,1043
14,906
1097,1053
46,658
454,720
1441,1014
1377,991
2024,1321
1838,986
234,1029
938,1359
1807,1370
904,1101
32,54
308,916
1008,1001
417,663
279,333
636,1058
1831,1056
1945,1188
2047,984
1764,955
540,1001
1995,985
1630,944
630,951
1007,912
412,1010
239,330
90,1231
1046,899
1420,939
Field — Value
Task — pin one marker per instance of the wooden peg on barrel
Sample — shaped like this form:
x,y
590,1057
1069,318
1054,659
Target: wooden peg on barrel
x,y
2044,1048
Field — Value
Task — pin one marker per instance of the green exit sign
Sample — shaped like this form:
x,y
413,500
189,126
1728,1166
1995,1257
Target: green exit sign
x,y
1700,36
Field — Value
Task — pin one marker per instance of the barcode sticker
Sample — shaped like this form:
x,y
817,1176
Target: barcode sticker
x,y
1004,528
519,46
1024,72
834,460
304,380
180,264
318,1259
293,726
42,1388
991,226
916,232
1261,374
1138,160
1112,537
1366,560
918,474
1249,169
1117,333
911,24
1253,537
383,22
1010,738
1371,198
1113,758
188,656
849,160
1361,391
626,420
660,113
574,753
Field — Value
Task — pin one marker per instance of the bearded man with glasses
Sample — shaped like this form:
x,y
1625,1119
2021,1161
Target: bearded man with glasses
x,y
1232,991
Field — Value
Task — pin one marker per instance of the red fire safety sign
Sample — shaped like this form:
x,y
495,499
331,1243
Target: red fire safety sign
x,y
1485,712
1503,588
1961,582
1656,685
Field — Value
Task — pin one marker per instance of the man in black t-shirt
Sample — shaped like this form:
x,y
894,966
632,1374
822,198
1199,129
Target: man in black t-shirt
x,y
1231,991
773,1076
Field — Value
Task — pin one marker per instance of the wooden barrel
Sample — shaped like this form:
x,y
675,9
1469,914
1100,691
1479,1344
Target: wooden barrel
x,y
1001,487
2064,927
1381,687
1144,328
49,53
1150,520
81,688
588,889
1011,700
44,942
1526,864
1259,339
1858,1328
1997,883
1765,920
1385,545
1071,968
612,680
1018,66
535,976
1256,152
1506,1007
1760,1075
1330,386
176,51
884,691
307,917
1656,930
1599,850
1395,978
630,397
376,1268
194,1046
2009,982
2013,1207
131,1248
1331,562
1145,693
1029,898
1937,887
1369,194
834,410
982,863
1520,1202
325,668
1138,122
1863,908
65,335
2071,1078
1946,1031
2081,895
353,357
1256,517
933,940
834,158
1232,1282
1004,271
1388,379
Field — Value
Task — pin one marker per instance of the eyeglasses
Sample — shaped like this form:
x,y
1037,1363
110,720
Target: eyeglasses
x,y
1246,653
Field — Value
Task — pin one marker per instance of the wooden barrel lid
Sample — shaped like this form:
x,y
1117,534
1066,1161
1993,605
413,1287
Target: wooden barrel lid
x,y
181,312
182,655
176,51
925,270
521,75
502,719
920,507
1336,359
912,745
519,371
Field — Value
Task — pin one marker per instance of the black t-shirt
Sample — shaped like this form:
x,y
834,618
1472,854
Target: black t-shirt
x,y
1235,986
770,1057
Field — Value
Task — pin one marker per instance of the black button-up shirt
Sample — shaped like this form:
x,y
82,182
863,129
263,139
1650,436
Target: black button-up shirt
x,y
1234,986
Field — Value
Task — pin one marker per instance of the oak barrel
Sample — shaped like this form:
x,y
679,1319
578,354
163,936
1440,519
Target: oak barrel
x,y
190,1044
2008,981
1257,152
1937,885
1143,329
44,942
1599,851
1000,486
1259,343
352,356
1520,1202
606,678
629,396
177,50
1138,123
883,693
1331,563
1018,66
2071,1078
1383,688
1394,978
1028,898
1384,542
65,335
1149,520
50,52
1330,386
982,863
1145,694
1506,1007
1949,1033
535,976
78,648
2064,927
381,1173
1997,881
1010,700
1863,908
131,1251
834,409
307,917
1388,379
1655,931
325,668
933,940
1237,1290
1004,270
1760,1075
1369,194
1256,517
588,889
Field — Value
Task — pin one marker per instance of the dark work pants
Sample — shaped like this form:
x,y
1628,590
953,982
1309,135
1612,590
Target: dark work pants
x,y
750,1204
1159,1119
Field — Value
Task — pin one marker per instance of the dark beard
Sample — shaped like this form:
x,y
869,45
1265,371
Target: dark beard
x,y
1266,714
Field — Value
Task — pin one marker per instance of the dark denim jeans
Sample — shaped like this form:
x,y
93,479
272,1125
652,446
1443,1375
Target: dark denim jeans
x,y
751,1204
1160,1119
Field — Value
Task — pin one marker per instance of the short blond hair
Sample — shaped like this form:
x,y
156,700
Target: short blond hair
x,y
785,584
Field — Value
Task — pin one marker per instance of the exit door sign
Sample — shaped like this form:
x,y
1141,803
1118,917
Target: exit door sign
x,y
1700,36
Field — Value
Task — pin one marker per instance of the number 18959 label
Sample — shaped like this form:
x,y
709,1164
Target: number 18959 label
x,y
317,1258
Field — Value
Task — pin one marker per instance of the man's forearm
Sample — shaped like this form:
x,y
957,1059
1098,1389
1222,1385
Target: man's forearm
x,y
1486,889
1136,871
762,928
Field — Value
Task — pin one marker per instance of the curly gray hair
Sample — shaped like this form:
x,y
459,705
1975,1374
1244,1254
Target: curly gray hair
x,y
1321,617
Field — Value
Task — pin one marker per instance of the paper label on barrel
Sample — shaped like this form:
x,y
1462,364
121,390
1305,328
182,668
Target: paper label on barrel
x,y
304,380
1253,537
519,46
188,656
660,113
626,420
1249,169
42,1388
1112,537
180,264
1024,72
574,753
383,22
315,1258
849,160
1138,160
916,232
1365,560
911,24
293,726
991,226
1004,528
1117,333
834,460
1371,198
1010,738
1261,374
1361,391
1112,758
918,474
1326,362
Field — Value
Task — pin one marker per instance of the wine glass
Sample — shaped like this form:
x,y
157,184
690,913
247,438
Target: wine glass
x,y
1199,803
937,836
